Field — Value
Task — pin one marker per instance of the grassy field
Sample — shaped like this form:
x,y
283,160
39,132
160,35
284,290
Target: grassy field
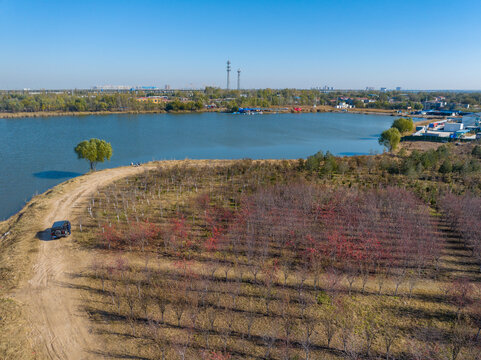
x,y
282,260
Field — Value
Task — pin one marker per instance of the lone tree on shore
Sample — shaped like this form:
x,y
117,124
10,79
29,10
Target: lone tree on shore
x,y
94,151
390,138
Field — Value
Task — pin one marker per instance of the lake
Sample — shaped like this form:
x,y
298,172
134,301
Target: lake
x,y
37,153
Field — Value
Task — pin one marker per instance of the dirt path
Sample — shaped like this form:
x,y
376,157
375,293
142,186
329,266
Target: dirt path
x,y
60,329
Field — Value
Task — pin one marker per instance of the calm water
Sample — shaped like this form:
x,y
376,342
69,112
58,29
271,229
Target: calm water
x,y
37,153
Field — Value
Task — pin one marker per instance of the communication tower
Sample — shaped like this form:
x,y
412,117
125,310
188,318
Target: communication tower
x,y
228,74
238,78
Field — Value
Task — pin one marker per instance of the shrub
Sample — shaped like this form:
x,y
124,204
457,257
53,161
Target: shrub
x,y
313,162
476,151
446,167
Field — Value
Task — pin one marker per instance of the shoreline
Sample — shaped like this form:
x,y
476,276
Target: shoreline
x,y
58,188
306,110
89,113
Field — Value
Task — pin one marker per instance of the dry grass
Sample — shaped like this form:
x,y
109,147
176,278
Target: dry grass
x,y
414,315
18,247
418,145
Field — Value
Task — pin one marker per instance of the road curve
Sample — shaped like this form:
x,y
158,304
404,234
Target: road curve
x,y
59,328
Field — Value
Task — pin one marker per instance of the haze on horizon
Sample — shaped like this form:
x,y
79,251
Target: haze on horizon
x,y
277,44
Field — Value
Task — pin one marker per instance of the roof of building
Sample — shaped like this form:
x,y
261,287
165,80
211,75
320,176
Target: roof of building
x,y
473,114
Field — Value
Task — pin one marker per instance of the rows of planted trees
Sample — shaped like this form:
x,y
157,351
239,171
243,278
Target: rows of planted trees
x,y
464,215
248,260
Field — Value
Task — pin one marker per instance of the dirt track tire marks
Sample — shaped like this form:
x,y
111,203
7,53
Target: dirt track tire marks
x,y
59,326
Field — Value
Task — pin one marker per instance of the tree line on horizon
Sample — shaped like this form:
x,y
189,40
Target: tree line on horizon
x,y
87,101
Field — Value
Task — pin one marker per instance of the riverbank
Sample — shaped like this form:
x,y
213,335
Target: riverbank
x,y
305,109
88,113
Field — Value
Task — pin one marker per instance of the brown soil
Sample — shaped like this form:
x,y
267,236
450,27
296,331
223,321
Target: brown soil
x,y
58,328
419,145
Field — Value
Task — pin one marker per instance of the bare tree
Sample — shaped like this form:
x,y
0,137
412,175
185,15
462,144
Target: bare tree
x,y
389,332
269,337
328,320
157,336
308,325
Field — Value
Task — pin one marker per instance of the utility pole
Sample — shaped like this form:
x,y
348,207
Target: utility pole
x,y
238,78
228,74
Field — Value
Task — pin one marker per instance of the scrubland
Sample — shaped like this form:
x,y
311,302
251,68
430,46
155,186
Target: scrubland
x,y
329,258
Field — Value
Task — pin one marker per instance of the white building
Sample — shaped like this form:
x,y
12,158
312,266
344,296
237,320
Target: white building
x,y
452,127
112,87
441,134
343,105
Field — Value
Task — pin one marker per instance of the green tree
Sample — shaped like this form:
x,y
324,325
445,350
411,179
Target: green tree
x,y
446,167
94,151
476,151
313,162
390,138
403,125
330,164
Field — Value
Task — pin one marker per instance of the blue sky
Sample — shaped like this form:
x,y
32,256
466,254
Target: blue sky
x,y
415,44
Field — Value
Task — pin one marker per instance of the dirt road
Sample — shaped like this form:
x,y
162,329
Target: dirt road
x,y
59,328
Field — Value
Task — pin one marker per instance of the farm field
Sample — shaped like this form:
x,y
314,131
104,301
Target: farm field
x,y
270,260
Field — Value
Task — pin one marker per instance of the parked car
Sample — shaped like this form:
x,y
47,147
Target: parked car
x,y
60,229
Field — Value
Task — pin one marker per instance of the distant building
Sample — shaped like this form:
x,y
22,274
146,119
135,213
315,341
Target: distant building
x,y
440,134
146,88
344,105
398,88
153,99
112,87
167,87
436,104
473,119
383,89
453,127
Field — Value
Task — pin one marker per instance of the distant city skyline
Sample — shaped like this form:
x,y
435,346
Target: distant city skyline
x,y
347,44
166,87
